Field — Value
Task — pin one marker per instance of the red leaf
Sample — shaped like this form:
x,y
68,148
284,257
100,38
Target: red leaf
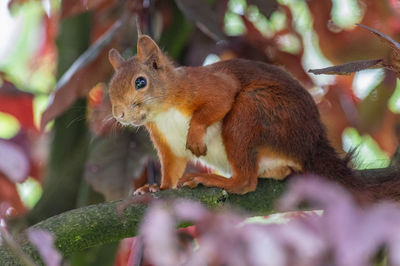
x,y
348,68
124,251
17,103
101,120
47,53
74,7
9,193
341,46
262,44
130,252
383,37
394,64
96,95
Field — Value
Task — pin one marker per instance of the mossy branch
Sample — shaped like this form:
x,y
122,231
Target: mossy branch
x,y
89,226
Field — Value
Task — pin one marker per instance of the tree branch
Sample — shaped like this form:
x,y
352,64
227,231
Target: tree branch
x,y
97,224
89,226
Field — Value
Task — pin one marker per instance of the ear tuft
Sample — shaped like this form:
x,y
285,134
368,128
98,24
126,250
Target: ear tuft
x,y
115,58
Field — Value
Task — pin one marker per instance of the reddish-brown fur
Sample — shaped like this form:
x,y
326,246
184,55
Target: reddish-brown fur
x,y
264,112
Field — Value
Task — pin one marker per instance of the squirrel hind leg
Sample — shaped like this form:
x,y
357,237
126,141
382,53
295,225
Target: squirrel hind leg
x,y
276,167
244,167
278,173
236,184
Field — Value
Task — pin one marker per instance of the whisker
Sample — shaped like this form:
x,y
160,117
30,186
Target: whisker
x,y
117,125
76,119
114,128
78,108
108,118
152,99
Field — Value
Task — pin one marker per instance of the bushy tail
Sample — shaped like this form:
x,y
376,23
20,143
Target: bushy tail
x,y
366,185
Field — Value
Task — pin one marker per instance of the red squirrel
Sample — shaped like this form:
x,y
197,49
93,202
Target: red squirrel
x,y
246,119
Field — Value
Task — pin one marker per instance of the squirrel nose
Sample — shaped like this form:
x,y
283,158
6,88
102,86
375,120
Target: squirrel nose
x,y
118,112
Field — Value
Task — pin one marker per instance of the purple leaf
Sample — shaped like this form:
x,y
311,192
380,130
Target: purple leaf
x,y
348,68
14,163
188,210
345,234
159,234
345,226
44,243
115,161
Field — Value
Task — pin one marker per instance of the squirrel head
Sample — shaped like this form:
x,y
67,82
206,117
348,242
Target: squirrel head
x,y
140,84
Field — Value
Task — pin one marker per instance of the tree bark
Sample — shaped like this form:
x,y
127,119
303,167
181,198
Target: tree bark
x,y
89,226
102,223
70,137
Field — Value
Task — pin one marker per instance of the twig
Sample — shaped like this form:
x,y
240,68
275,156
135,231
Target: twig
x,y
15,248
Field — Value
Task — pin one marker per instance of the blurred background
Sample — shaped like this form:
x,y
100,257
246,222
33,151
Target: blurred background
x,y
59,146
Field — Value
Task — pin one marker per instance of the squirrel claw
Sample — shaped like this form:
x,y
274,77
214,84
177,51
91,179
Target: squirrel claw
x,y
146,189
198,149
188,180
190,184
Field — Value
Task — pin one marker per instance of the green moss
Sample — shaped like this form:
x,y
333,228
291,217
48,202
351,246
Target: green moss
x,y
93,225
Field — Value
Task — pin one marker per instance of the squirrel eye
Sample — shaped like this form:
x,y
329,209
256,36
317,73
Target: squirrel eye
x,y
140,83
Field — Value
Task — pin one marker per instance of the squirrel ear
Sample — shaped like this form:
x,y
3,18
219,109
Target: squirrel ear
x,y
115,58
146,48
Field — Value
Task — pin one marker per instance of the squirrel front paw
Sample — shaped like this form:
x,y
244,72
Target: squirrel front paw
x,y
197,147
146,189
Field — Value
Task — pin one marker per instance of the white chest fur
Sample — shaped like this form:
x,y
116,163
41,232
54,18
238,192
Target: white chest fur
x,y
174,126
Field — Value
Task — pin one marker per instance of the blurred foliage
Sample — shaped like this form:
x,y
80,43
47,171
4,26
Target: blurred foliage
x,y
30,192
373,157
47,37
11,126
19,63
341,235
394,102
